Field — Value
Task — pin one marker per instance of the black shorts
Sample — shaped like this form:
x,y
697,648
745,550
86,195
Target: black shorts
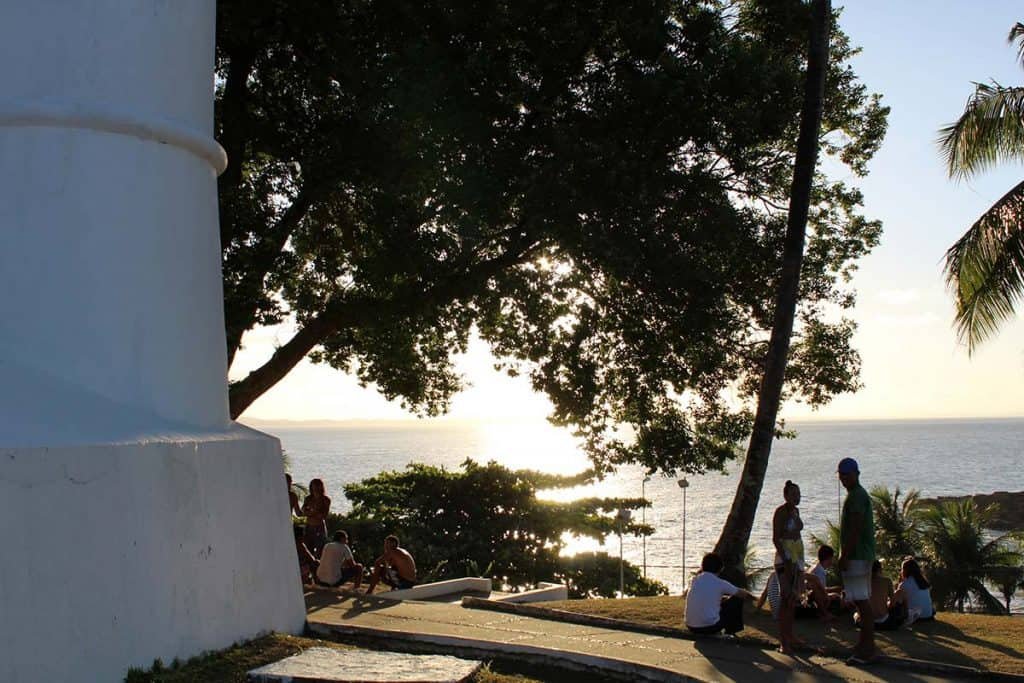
x,y
392,579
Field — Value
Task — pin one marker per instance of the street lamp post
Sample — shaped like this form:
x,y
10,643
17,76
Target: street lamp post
x,y
623,519
683,484
643,518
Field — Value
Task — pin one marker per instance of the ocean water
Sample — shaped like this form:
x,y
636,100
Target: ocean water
x,y
937,457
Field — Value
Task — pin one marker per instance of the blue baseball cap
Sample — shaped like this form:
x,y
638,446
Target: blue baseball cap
x,y
848,466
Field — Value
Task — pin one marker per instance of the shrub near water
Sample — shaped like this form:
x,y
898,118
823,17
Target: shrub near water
x,y
459,523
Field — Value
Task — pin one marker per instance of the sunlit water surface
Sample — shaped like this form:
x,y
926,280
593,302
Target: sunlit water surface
x,y
946,457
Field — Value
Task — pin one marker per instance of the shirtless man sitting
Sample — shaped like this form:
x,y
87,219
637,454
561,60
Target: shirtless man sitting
x,y
395,567
889,612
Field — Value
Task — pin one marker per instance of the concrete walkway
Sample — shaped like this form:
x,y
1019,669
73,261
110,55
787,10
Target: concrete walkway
x,y
451,629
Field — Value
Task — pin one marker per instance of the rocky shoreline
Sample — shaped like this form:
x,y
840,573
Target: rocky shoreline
x,y
1010,516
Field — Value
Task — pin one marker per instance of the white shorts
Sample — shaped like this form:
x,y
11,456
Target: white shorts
x,y
857,580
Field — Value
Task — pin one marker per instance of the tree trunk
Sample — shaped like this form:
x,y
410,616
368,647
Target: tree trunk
x,y
732,544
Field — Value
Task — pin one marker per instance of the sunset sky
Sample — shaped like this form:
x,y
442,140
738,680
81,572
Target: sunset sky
x,y
922,56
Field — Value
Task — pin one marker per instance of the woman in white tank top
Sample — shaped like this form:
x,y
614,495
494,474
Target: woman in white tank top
x,y
914,593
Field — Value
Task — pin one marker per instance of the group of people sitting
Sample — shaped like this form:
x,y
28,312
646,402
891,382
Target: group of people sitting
x,y
332,564
714,605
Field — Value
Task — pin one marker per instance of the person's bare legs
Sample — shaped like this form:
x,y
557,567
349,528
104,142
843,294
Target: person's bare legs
x,y
787,611
359,577
375,576
866,642
787,639
820,597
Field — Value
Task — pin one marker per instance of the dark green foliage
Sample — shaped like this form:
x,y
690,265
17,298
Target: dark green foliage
x,y
597,188
596,575
897,526
965,557
481,516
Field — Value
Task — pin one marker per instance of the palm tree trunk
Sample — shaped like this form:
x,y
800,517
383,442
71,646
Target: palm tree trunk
x,y
732,544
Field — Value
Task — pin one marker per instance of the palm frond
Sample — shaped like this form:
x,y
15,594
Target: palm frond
x,y
1017,36
990,130
897,528
985,269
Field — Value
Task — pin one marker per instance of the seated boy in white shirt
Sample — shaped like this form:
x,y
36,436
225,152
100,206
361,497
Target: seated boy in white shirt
x,y
337,565
706,611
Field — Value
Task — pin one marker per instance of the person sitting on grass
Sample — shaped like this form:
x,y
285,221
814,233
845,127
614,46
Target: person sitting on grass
x,y
337,565
395,567
307,563
914,593
706,612
888,613
818,599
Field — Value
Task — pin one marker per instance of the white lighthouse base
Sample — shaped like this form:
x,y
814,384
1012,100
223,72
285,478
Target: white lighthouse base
x,y
116,554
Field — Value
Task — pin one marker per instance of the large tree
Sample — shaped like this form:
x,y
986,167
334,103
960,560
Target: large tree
x,y
985,267
598,189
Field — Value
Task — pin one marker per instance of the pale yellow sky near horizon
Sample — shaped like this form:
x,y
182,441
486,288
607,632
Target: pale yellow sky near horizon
x,y
923,63
912,368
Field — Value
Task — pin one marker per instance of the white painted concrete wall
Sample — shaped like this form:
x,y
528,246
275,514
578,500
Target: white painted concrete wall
x,y
425,591
111,260
117,554
136,520
544,592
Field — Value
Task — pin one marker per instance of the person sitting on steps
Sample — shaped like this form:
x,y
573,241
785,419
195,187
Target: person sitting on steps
x,y
307,563
337,565
395,567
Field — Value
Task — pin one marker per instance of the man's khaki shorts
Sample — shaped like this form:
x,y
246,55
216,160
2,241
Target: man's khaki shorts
x,y
857,580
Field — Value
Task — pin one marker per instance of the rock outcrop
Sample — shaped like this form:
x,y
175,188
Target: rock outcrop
x,y
1010,513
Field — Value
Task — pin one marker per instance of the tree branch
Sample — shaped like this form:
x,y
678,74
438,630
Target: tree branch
x,y
232,132
268,249
412,301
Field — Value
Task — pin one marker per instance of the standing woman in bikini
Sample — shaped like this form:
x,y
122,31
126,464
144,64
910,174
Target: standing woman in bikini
x,y
789,563
316,508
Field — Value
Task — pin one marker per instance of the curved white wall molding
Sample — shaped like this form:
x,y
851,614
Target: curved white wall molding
x,y
63,115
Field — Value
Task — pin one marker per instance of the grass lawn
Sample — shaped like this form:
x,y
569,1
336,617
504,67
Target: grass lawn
x,y
994,643
231,665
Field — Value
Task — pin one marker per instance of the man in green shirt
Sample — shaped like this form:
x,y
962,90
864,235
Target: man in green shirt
x,y
857,553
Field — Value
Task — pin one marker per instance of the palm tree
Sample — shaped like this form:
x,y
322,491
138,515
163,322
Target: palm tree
x,y
1008,581
897,525
985,267
964,556
732,542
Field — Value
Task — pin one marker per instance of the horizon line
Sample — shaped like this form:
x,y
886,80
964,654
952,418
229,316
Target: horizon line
x,y
443,421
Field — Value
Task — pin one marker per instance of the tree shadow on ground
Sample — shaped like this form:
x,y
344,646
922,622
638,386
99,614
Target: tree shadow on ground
x,y
318,599
932,640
